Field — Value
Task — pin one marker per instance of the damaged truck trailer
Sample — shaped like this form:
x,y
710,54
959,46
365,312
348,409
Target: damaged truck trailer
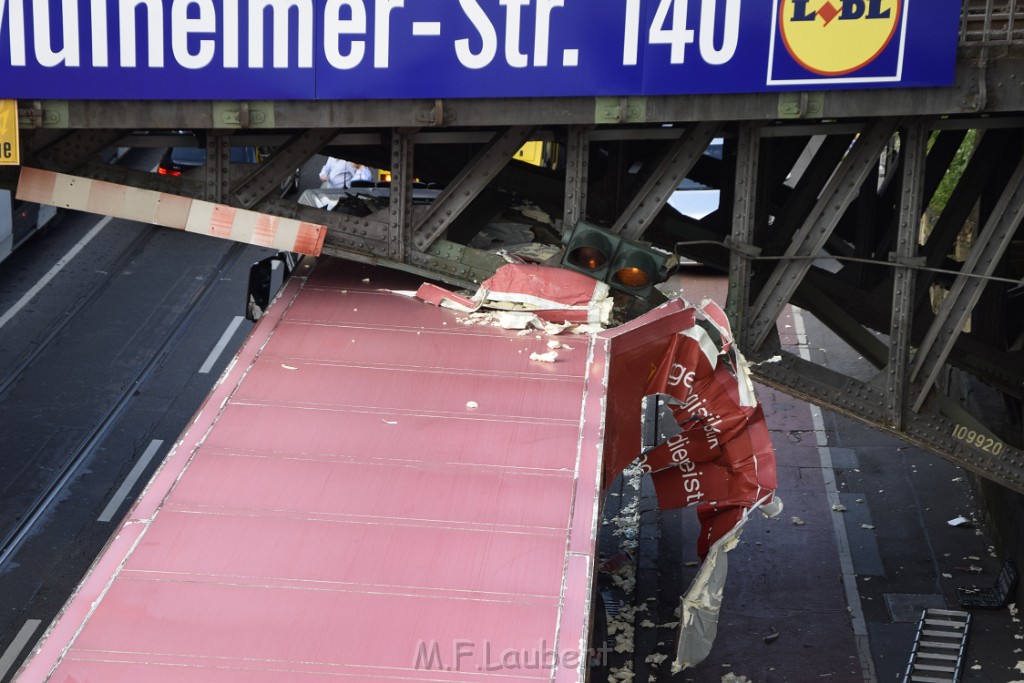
x,y
383,488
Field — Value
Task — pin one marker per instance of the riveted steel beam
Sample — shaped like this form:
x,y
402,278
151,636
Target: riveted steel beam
x,y
577,167
217,169
940,154
267,176
678,160
468,184
400,215
987,250
350,244
941,427
815,295
852,313
744,218
959,98
808,188
815,230
456,263
121,175
447,262
345,229
76,149
360,234
914,150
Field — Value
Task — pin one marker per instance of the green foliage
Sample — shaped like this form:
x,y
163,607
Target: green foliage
x,y
953,175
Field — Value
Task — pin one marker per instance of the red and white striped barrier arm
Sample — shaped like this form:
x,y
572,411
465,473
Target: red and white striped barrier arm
x,y
171,211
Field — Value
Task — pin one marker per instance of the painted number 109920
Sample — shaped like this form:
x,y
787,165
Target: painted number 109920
x,y
978,440
670,26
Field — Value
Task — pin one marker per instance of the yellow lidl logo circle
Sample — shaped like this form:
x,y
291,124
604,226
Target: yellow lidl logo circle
x,y
835,37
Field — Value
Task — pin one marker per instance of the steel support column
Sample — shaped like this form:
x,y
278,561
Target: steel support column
x,y
956,308
400,214
744,219
815,230
678,160
217,168
577,166
914,147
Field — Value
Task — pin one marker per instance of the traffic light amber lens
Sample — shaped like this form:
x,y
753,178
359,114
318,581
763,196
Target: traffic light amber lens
x,y
633,269
633,277
587,257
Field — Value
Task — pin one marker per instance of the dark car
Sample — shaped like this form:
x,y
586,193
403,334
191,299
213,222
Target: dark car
x,y
179,160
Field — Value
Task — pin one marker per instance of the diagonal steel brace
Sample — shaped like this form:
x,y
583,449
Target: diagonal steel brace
x,y
817,227
468,185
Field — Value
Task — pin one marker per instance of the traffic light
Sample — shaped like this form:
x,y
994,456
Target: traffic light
x,y
624,265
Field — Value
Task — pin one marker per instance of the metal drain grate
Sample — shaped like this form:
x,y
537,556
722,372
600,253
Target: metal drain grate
x,y
938,654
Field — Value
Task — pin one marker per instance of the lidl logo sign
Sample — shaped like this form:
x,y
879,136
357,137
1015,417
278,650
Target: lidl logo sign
x,y
829,41
833,37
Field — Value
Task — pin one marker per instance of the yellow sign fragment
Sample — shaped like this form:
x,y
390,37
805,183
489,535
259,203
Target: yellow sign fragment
x,y
9,152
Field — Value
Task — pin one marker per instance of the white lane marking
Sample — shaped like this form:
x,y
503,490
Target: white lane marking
x,y
52,273
860,628
17,645
219,348
129,482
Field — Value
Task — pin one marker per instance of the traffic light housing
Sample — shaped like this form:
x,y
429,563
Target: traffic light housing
x,y
626,266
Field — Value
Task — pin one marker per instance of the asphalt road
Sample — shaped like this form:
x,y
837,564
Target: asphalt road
x,y
833,588
113,333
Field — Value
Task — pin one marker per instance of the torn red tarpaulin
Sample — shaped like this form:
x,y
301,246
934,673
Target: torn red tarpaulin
x,y
723,461
552,294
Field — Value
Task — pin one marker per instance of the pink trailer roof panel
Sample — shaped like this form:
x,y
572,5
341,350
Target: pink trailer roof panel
x,y
374,491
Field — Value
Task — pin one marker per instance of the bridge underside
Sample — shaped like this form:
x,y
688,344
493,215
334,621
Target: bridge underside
x,y
892,216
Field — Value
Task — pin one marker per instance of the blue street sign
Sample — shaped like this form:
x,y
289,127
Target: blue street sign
x,y
401,49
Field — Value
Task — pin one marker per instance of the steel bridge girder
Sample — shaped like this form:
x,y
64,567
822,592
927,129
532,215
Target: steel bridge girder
x,y
577,173
929,429
468,185
956,308
400,210
744,217
814,233
678,160
267,176
914,149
